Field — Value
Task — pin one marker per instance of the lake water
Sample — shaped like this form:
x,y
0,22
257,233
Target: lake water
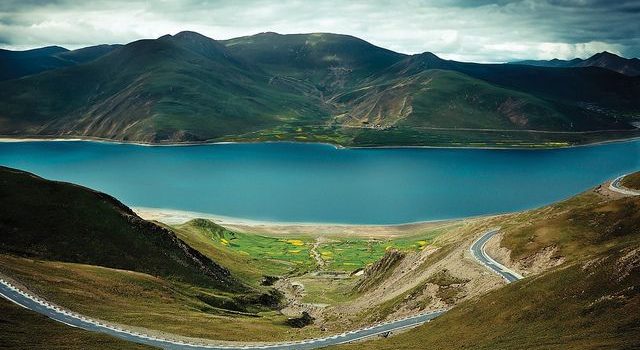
x,y
319,183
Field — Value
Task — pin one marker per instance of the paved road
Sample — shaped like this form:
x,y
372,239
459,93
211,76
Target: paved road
x,y
10,292
616,186
478,252
32,302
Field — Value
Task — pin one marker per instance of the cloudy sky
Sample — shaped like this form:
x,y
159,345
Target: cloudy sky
x,y
470,30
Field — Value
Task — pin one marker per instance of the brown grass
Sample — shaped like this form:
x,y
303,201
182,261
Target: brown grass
x,y
140,300
23,329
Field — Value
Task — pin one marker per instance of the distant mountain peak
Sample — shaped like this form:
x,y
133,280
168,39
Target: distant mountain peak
x,y
429,55
191,35
604,59
613,62
52,48
269,33
198,43
606,54
426,59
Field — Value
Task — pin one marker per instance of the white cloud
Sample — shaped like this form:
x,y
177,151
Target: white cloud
x,y
568,51
458,29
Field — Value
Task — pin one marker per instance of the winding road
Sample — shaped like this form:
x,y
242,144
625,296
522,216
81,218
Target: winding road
x,y
616,186
478,251
34,303
37,304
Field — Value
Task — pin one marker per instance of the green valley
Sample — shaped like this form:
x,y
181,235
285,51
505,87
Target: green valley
x,y
194,280
267,276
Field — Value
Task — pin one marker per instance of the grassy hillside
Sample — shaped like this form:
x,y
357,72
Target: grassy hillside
x,y
23,329
581,306
601,87
632,181
17,64
176,88
584,259
437,98
138,300
329,61
86,251
87,54
581,258
313,87
576,229
58,221
248,255
329,275
254,256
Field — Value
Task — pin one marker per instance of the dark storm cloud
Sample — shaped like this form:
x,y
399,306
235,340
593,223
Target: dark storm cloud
x,y
479,30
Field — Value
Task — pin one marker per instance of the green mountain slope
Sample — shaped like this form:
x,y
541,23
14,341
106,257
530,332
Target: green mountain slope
x,y
185,87
64,222
329,61
572,86
16,64
313,87
87,54
438,98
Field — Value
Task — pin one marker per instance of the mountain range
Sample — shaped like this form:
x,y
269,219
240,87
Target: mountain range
x,y
607,60
306,87
16,64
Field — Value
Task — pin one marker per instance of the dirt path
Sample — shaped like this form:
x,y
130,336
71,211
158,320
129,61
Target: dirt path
x,y
320,263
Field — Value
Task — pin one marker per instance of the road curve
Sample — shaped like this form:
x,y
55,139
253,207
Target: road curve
x,y
478,251
34,303
616,186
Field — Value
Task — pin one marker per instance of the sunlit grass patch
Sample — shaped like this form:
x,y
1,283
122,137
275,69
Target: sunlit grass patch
x,y
295,242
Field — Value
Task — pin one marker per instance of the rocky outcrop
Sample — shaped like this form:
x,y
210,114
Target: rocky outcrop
x,y
376,273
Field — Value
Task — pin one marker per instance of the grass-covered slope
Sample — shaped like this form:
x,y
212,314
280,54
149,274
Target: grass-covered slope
x,y
63,222
585,258
313,87
436,98
330,61
250,256
85,251
573,230
17,64
575,87
185,87
632,181
135,299
22,329
582,306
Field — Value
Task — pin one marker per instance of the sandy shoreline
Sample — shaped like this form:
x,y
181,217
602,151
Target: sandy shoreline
x,y
6,139
176,217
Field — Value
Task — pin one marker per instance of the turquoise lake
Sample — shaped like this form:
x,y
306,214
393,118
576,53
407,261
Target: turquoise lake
x,y
294,182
